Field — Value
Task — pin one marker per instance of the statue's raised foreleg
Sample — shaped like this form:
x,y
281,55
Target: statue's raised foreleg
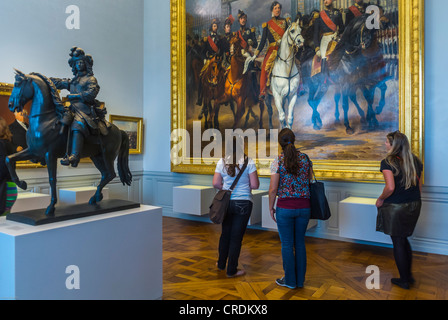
x,y
11,162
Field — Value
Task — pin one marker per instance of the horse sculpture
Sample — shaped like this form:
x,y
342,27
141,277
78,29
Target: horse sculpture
x,y
285,76
46,144
238,87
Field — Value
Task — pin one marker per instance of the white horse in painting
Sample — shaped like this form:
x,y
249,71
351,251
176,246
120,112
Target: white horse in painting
x,y
285,76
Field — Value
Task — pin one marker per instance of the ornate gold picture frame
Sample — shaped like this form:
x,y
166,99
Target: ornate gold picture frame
x,y
133,126
410,98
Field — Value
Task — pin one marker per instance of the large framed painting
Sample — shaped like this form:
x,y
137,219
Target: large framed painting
x,y
339,77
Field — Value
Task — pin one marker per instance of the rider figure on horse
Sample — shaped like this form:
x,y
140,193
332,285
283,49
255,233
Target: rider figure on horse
x,y
356,10
224,42
327,29
273,31
211,50
85,115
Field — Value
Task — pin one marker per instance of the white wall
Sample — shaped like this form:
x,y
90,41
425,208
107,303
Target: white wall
x,y
34,38
436,95
157,84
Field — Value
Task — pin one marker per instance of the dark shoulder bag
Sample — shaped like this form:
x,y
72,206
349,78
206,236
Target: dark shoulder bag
x,y
320,209
220,203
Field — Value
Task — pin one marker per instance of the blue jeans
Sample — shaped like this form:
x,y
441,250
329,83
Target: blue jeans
x,y
233,229
292,224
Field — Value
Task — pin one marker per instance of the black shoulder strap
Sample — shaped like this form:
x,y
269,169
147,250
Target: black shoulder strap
x,y
239,174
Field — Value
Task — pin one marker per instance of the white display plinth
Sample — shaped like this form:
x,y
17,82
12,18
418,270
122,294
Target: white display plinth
x,y
79,195
266,220
257,207
357,220
192,199
30,201
117,255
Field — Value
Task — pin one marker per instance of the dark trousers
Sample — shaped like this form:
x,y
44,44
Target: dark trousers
x,y
403,257
233,229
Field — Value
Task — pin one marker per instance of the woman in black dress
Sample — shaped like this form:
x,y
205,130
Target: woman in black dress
x,y
400,202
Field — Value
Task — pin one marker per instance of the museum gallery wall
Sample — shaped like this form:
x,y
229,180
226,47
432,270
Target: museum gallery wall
x,y
126,48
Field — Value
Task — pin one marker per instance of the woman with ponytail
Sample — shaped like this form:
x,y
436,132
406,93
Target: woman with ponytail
x,y
290,183
240,206
400,202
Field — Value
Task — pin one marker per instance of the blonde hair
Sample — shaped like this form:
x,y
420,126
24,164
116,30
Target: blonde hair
x,y
5,134
401,159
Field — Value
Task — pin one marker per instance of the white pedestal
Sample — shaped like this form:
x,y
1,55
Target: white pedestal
x,y
357,220
194,200
79,195
266,220
117,255
257,207
30,201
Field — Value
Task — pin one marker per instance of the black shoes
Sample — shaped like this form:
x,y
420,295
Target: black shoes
x,y
402,283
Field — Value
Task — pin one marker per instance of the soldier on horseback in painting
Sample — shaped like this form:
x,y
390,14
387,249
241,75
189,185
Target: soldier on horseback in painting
x,y
327,29
248,36
273,31
356,10
85,115
211,49
224,42
248,41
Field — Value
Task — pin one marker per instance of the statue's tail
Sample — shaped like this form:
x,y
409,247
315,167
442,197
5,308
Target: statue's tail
x,y
123,160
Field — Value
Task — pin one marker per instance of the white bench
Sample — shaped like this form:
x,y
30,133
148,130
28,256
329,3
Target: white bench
x,y
257,207
357,220
30,201
79,195
192,199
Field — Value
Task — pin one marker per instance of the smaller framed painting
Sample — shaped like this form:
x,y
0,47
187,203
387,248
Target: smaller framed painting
x,y
133,126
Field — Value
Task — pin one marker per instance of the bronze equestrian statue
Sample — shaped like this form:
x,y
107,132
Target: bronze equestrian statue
x,y
90,135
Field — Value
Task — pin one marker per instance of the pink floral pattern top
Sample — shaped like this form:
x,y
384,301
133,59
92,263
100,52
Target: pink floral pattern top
x,y
292,186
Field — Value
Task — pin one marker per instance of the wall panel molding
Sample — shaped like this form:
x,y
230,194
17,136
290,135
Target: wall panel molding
x,y
430,234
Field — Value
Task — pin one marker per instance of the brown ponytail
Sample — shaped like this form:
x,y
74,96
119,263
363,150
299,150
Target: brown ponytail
x,y
286,139
233,154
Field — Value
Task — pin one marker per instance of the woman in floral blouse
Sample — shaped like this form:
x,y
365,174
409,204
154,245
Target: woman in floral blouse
x,y
290,182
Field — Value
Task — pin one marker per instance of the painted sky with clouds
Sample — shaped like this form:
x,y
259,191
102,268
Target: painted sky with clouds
x,y
258,11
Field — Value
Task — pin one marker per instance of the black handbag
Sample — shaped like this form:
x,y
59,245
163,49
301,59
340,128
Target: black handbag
x,y
320,210
220,203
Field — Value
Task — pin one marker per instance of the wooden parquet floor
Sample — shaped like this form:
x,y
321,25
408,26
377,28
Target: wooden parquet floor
x,y
335,271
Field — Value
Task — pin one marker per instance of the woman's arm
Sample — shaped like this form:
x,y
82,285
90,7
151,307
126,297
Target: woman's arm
x,y
388,188
273,187
254,182
217,181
